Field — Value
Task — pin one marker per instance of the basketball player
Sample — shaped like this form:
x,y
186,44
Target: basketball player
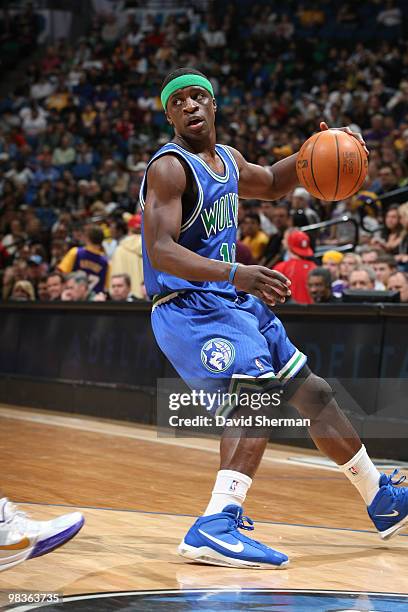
x,y
190,197
22,538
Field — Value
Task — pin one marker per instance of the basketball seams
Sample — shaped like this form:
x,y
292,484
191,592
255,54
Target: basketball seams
x,y
311,165
338,167
356,185
364,162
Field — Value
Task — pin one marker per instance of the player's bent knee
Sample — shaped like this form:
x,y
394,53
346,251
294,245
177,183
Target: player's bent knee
x,y
312,396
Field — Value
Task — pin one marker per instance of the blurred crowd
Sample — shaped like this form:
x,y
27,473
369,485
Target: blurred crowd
x,y
18,34
272,235
77,132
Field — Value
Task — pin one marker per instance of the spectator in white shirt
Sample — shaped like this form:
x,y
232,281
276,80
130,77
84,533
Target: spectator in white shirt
x,y
20,174
135,36
41,89
214,38
34,122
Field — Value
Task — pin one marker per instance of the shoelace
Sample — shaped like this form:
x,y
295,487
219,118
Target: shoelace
x,y
239,522
396,493
395,483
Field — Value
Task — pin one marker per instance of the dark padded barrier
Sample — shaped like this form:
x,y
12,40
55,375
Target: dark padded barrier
x,y
102,359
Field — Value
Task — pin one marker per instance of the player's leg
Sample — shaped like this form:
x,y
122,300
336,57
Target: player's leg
x,y
240,456
241,453
334,435
216,537
330,429
22,538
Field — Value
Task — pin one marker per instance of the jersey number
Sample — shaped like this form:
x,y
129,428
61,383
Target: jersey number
x,y
93,280
228,257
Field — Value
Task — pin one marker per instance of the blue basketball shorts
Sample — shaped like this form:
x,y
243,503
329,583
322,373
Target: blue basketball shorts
x,y
216,340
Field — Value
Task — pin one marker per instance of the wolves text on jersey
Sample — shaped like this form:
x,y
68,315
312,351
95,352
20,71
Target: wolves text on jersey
x,y
223,213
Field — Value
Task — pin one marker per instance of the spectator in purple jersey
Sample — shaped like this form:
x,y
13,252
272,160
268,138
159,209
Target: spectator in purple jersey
x,y
90,259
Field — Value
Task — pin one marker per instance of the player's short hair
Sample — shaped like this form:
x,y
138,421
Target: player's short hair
x,y
180,72
324,273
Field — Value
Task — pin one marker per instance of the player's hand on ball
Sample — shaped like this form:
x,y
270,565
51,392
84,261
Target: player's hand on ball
x,y
324,126
269,285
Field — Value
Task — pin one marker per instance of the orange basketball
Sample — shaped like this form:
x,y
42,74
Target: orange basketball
x,y
332,165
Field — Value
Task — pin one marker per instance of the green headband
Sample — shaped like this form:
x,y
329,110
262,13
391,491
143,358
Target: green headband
x,y
185,80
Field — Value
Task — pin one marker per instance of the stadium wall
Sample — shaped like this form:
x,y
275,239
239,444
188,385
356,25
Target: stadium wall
x,y
102,360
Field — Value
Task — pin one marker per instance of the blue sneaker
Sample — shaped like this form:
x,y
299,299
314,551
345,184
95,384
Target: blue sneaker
x,y
389,508
215,540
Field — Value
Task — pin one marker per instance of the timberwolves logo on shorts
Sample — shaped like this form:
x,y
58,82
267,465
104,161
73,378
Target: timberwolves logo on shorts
x,y
217,354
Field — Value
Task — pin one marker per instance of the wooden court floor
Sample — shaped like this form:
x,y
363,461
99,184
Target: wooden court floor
x,y
139,494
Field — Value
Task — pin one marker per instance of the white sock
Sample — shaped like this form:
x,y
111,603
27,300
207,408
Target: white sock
x,y
230,488
361,471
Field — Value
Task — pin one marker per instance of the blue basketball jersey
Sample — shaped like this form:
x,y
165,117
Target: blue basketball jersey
x,y
210,228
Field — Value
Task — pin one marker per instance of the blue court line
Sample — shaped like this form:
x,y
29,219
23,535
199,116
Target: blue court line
x,y
403,535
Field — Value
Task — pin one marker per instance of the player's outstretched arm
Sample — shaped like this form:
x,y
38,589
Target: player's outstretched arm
x,y
166,184
273,182
266,182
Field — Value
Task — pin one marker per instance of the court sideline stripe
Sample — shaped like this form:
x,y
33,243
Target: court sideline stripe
x,y
136,511
108,429
75,423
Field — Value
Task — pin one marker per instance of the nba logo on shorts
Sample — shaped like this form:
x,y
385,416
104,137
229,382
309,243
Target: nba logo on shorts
x,y
259,364
217,354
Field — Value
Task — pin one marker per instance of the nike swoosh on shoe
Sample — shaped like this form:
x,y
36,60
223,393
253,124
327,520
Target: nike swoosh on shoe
x,y
24,543
393,513
236,548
